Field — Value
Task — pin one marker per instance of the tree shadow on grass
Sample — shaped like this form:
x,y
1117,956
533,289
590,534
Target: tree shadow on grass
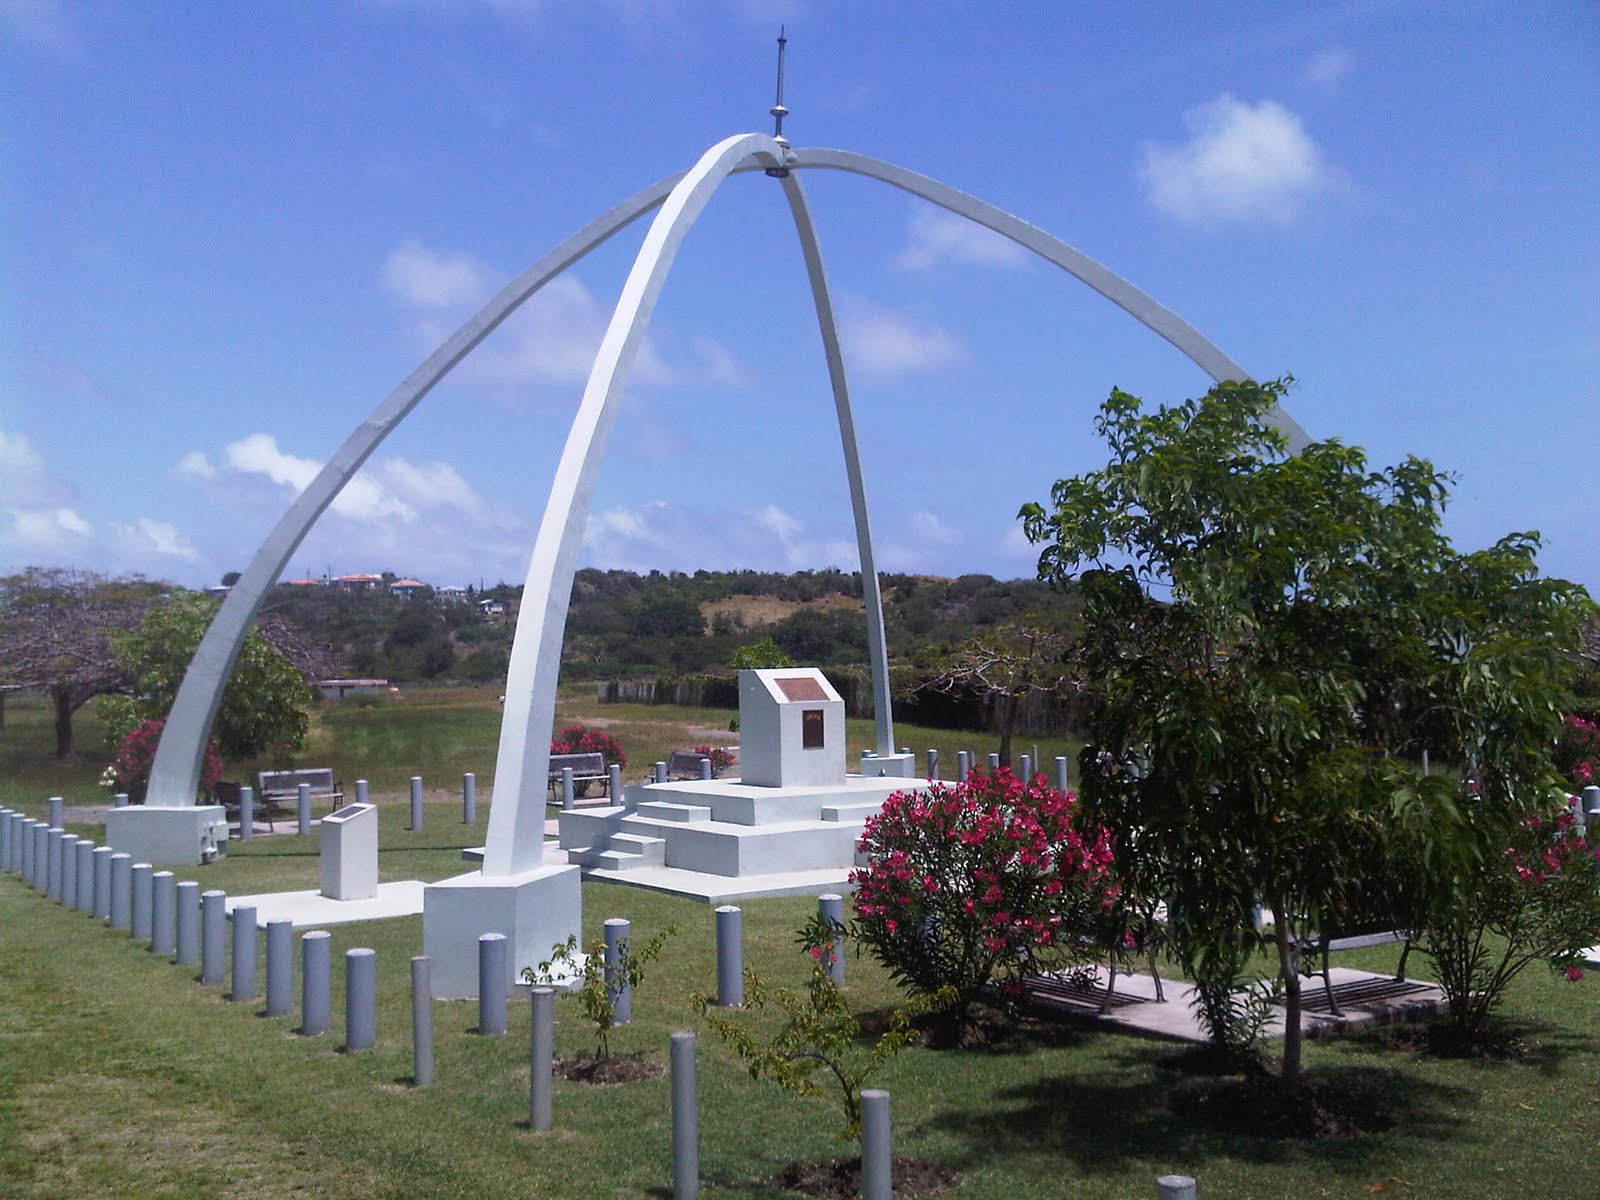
x,y
1130,1114
1508,1044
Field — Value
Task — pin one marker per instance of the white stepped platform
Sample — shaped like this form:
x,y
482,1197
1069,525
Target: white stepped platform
x,y
724,839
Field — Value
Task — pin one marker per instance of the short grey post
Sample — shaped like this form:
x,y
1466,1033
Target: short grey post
x,y
41,856
8,840
685,1120
614,783
617,932
1425,768
492,948
469,800
67,886
361,791
243,986
121,915
422,1019
730,956
1176,1187
994,762
1038,763
705,768
120,800
661,772
163,919
416,802
1027,768
316,982
58,808
566,788
52,861
830,907
876,1146
1591,803
280,966
360,998
933,763
963,765
26,862
188,923
542,1058
213,936
247,813
1061,772
142,888
303,803
84,901
102,882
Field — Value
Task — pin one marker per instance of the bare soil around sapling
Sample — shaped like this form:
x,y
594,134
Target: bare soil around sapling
x,y
613,1069
840,1178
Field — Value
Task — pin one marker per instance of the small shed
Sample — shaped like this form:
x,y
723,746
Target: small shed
x,y
791,729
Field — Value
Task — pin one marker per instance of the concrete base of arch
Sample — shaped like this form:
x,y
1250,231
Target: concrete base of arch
x,y
168,837
535,910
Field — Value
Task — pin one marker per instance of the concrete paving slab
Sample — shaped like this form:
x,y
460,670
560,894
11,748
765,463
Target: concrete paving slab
x,y
312,910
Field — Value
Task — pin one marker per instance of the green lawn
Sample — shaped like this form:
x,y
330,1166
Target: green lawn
x,y
120,1073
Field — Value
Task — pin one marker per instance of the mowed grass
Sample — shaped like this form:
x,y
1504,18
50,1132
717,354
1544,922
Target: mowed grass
x,y
119,1072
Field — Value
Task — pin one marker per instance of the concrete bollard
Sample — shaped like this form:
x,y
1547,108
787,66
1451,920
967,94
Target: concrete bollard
x,y
303,809
416,802
360,998
614,783
1591,803
661,772
685,1119
67,882
41,856
52,862
730,956
963,765
102,882
1176,1187
163,915
58,809
469,801
617,932
994,762
933,763
141,886
1027,768
188,922
213,936
247,813
316,983
243,986
119,800
567,793
541,1055
705,768
1061,772
5,839
121,891
831,908
84,901
422,1019
877,1151
361,791
280,967
25,860
492,949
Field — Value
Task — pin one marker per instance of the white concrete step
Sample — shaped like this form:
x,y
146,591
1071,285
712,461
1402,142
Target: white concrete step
x,y
850,812
622,852
683,814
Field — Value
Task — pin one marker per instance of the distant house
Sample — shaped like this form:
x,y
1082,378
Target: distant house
x,y
303,583
450,594
406,588
338,689
491,608
358,583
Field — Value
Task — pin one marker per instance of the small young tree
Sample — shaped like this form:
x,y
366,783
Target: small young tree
x,y
597,991
1009,664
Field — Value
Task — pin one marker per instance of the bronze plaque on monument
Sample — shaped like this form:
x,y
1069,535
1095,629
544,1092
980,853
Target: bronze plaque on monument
x,y
811,729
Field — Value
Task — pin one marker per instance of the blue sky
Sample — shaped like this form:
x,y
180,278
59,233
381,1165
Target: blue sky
x,y
228,230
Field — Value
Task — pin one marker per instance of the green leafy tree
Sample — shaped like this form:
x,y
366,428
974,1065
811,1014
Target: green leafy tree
x,y
597,992
763,655
1262,638
1008,663
263,708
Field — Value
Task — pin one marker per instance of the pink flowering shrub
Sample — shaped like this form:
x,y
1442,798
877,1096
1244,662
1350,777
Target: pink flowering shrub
x,y
721,759
580,739
1540,898
1577,753
973,883
130,767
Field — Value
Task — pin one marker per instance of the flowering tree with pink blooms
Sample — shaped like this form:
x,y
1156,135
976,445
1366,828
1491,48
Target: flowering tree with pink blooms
x,y
1577,753
973,883
129,771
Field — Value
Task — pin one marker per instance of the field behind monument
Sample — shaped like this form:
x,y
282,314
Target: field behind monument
x,y
119,1072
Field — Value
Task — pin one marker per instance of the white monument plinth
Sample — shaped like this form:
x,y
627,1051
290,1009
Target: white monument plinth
x,y
791,729
168,836
350,853
535,910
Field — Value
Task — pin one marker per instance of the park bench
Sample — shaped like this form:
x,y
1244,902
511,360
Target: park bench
x,y
278,788
684,764
1322,944
586,769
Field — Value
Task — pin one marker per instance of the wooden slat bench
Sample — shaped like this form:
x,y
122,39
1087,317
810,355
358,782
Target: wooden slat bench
x,y
586,768
280,788
684,764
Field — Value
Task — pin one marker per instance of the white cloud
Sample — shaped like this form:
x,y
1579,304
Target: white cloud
x,y
657,535
1243,162
195,465
937,235
424,278
1328,67
890,345
362,499
149,536
45,533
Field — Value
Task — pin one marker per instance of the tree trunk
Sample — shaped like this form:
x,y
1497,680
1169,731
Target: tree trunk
x,y
1289,972
64,710
1007,723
